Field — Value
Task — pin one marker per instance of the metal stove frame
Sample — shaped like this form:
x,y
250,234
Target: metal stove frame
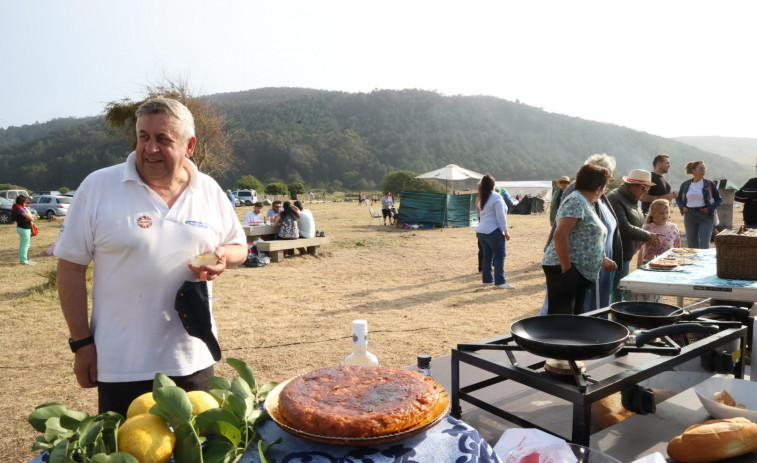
x,y
581,396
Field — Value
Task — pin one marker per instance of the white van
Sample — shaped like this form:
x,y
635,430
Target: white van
x,y
11,195
246,197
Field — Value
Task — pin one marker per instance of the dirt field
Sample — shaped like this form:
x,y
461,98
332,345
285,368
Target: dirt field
x,y
418,289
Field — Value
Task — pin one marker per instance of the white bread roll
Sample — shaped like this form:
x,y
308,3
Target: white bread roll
x,y
714,440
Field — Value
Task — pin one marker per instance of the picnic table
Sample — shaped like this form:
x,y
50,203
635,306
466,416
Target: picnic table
x,y
260,231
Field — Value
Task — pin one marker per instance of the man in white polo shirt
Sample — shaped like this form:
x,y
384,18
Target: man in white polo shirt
x,y
141,222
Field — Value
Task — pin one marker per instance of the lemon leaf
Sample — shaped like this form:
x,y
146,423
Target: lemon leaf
x,y
174,404
240,387
245,372
161,380
216,382
188,447
41,414
219,422
221,451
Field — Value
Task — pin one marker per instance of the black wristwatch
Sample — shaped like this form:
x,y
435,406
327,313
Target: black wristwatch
x,y
75,345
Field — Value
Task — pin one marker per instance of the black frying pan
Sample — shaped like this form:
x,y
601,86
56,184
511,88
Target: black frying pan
x,y
569,337
653,314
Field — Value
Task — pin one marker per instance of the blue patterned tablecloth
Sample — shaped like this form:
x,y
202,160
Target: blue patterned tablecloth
x,y
697,280
451,441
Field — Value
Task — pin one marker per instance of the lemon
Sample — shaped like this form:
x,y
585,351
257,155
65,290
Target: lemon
x,y
140,405
201,401
147,438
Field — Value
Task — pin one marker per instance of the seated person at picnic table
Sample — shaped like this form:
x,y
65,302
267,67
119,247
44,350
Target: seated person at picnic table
x,y
287,222
306,222
255,216
274,211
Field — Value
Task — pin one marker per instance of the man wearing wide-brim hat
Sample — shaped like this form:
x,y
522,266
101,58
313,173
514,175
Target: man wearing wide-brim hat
x,y
624,202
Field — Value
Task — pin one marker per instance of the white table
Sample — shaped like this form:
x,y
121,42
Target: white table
x,y
259,231
698,280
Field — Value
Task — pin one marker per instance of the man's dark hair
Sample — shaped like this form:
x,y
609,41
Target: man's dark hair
x,y
659,158
298,205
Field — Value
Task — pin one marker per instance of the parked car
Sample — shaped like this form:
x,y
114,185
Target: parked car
x,y
247,197
47,192
6,208
51,206
12,194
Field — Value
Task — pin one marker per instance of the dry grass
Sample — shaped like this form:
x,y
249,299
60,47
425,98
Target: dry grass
x,y
418,289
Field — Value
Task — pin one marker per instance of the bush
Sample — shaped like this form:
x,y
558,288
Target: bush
x,y
248,182
296,188
276,189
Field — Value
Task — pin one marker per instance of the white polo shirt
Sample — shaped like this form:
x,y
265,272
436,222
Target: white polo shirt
x,y
140,250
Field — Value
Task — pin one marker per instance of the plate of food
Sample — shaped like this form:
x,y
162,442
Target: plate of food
x,y
683,251
726,397
358,406
661,265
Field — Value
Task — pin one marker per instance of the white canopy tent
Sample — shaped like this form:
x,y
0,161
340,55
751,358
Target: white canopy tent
x,y
536,188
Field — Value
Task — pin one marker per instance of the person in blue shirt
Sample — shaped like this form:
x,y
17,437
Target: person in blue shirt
x,y
492,233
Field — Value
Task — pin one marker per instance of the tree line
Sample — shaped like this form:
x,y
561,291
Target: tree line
x,y
336,140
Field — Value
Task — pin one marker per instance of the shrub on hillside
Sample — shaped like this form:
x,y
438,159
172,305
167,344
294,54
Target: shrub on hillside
x,y
296,188
276,189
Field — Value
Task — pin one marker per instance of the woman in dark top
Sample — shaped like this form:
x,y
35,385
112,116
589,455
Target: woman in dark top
x,y
287,222
24,220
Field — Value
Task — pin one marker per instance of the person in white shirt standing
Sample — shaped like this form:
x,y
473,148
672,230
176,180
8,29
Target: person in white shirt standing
x,y
140,223
698,198
492,233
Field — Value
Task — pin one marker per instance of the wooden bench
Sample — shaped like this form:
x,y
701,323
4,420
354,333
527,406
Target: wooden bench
x,y
276,248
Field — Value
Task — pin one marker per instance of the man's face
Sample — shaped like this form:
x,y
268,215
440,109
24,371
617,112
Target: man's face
x,y
638,190
276,208
564,185
664,166
160,148
257,209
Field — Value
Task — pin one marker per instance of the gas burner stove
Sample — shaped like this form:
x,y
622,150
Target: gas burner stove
x,y
583,385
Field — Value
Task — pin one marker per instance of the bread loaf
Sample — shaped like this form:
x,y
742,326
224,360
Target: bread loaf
x,y
609,411
714,440
723,397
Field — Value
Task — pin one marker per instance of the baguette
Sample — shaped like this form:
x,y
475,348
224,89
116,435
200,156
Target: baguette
x,y
714,440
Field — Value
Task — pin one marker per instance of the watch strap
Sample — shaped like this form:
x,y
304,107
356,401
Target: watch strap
x,y
76,345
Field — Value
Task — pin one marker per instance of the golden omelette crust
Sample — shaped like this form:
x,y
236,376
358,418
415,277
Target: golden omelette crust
x,y
353,402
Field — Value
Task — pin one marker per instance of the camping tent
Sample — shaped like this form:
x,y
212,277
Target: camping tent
x,y
528,205
536,188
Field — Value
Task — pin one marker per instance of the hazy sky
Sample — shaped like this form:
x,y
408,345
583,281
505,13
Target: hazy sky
x,y
670,68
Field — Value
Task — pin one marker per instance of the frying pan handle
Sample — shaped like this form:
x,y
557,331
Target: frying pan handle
x,y
681,328
742,313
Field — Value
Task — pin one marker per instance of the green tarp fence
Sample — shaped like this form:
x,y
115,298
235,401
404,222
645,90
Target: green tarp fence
x,y
438,209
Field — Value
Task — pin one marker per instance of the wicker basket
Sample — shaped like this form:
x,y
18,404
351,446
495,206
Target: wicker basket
x,y
737,254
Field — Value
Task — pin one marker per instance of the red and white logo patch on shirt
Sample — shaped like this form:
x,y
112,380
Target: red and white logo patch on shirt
x,y
144,221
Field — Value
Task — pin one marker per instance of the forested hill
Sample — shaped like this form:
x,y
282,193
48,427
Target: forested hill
x,y
351,140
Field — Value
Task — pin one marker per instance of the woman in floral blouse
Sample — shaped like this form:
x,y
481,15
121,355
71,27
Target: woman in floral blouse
x,y
573,259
